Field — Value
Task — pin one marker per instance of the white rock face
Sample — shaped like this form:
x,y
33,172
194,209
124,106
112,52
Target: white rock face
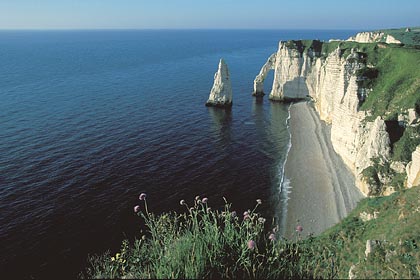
x,y
259,80
332,82
413,118
397,166
413,169
391,40
372,37
367,37
290,74
221,92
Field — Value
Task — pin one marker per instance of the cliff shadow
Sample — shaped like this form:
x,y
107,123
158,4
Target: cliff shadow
x,y
296,89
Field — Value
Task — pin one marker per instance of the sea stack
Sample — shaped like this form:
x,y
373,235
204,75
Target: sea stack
x,y
221,92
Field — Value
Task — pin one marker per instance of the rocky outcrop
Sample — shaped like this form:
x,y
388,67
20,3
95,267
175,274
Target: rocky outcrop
x,y
373,37
221,92
367,37
391,40
413,169
332,81
291,69
259,80
409,118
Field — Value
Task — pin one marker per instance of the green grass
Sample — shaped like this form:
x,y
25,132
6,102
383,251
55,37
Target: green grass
x,y
407,144
205,243
397,87
408,38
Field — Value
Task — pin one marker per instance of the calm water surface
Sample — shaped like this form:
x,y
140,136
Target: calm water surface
x,y
89,119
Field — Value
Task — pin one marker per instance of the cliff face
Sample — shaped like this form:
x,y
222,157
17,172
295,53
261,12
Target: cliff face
x,y
372,37
332,81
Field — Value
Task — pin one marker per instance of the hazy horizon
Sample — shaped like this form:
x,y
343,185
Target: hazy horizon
x,y
216,14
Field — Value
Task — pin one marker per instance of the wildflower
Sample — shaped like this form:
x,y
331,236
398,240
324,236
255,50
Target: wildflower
x,y
182,202
276,229
272,237
136,208
251,244
233,214
259,201
246,213
299,228
204,200
208,209
112,259
142,196
197,198
261,220
246,217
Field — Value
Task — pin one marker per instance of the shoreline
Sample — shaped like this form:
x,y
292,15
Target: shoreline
x,y
321,189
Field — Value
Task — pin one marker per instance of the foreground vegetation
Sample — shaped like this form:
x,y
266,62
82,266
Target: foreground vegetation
x,y
206,243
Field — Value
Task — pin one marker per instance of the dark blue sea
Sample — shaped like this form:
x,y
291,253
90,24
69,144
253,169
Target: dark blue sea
x,y
90,119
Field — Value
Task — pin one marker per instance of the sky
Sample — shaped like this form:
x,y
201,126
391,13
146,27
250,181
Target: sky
x,y
204,14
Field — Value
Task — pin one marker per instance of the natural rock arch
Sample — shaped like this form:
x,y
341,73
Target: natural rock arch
x,y
259,80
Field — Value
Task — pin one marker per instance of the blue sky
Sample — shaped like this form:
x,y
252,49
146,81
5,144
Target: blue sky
x,y
213,14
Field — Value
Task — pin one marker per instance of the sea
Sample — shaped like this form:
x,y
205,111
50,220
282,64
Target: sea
x,y
91,119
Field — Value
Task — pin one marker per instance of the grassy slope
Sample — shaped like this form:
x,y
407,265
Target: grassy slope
x,y
215,245
398,223
408,38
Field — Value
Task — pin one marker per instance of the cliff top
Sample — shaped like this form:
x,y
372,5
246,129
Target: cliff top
x,y
408,35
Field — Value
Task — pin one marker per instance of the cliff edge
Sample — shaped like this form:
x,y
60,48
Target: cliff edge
x,y
366,92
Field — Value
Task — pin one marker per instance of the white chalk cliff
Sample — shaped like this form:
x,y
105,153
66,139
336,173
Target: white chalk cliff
x,y
332,82
372,37
413,169
221,92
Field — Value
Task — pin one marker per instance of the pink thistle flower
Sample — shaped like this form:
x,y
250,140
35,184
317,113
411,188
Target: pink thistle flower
x,y
142,196
251,244
246,213
299,228
272,237
246,217
204,200
136,209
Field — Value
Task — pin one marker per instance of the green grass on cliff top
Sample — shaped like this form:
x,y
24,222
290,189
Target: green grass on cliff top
x,y
408,38
397,87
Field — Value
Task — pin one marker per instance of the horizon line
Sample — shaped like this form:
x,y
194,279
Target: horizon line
x,y
113,28
197,28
